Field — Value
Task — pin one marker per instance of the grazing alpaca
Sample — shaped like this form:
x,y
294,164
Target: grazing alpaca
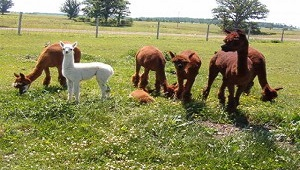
x,y
142,96
235,67
152,59
259,67
75,72
50,57
187,65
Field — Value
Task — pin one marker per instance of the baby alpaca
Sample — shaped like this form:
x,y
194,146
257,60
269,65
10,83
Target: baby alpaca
x,y
75,72
152,59
141,96
187,65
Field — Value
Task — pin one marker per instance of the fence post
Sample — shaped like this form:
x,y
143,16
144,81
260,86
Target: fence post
x,y
97,26
157,34
282,34
207,32
249,32
20,23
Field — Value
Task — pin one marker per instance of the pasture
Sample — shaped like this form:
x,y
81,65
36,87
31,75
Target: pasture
x,y
41,130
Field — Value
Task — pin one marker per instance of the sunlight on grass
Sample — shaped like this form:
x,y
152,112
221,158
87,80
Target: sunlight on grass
x,y
41,130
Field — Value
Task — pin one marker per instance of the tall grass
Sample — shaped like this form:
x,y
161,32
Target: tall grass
x,y
41,130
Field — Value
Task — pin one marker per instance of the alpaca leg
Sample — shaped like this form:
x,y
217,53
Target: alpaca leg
x,y
61,78
157,81
104,90
231,101
221,94
238,94
47,79
213,72
76,87
180,89
144,79
186,94
136,77
70,89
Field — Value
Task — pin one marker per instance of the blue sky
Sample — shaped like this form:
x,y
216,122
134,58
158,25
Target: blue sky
x,y
284,12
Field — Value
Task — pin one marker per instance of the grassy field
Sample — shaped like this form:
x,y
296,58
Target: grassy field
x,y
41,130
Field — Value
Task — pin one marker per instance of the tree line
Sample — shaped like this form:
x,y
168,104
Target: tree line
x,y
229,14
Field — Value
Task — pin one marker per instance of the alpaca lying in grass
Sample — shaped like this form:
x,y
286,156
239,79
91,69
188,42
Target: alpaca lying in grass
x,y
187,65
142,96
51,56
152,59
236,68
259,66
75,72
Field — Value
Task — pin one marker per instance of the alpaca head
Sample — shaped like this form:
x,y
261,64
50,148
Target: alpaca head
x,y
180,61
269,94
67,48
234,41
22,83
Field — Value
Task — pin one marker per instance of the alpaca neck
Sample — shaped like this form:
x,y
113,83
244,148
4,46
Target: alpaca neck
x,y
242,61
37,72
68,61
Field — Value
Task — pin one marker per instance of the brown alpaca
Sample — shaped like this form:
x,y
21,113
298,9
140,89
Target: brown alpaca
x,y
187,65
259,67
235,67
142,96
51,56
152,59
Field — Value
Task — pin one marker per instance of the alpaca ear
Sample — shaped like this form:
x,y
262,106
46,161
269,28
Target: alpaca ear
x,y
75,44
172,54
16,75
241,32
227,31
278,88
61,44
191,55
22,76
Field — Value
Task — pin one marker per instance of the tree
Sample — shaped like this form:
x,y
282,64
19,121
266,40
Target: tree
x,y
122,10
71,7
105,8
235,13
5,5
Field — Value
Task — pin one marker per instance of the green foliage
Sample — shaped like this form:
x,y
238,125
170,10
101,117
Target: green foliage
x,y
71,7
235,13
41,130
107,8
5,5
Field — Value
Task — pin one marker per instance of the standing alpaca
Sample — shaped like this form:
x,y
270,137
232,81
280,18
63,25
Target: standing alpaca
x,y
259,67
152,59
187,65
235,67
75,72
50,57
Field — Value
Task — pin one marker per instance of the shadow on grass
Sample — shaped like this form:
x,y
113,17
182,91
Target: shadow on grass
x,y
53,89
193,109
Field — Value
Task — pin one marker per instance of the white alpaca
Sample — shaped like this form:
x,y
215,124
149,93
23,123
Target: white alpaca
x,y
75,72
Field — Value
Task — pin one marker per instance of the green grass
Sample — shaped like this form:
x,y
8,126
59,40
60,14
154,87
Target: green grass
x,y
41,130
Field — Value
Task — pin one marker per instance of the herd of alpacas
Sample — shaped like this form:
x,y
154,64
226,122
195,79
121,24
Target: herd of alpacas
x,y
238,63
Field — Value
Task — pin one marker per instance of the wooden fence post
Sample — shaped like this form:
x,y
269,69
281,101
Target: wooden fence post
x,y
97,26
20,23
207,32
249,32
157,33
282,34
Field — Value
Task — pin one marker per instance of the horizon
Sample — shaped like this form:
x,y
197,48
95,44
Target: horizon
x,y
279,12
